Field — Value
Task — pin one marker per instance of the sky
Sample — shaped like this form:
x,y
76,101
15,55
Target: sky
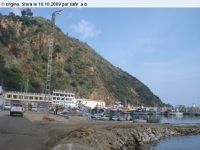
x,y
158,46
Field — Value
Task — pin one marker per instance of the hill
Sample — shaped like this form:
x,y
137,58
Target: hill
x,y
76,66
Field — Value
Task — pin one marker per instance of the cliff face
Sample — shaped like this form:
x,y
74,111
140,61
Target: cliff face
x,y
76,66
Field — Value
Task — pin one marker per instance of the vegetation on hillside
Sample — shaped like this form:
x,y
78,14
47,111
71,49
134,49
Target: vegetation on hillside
x,y
76,67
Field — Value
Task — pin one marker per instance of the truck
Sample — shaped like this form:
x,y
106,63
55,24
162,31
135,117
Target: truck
x,y
17,109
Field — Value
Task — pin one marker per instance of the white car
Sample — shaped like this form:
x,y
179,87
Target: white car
x,y
34,109
16,109
6,107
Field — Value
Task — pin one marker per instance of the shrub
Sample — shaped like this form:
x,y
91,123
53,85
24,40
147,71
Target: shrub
x,y
13,78
8,35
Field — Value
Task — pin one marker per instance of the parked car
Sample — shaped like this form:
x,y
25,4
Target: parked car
x,y
1,107
34,108
6,107
16,109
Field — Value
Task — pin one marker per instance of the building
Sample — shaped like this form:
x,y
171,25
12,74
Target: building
x,y
65,99
92,103
25,98
1,90
1,96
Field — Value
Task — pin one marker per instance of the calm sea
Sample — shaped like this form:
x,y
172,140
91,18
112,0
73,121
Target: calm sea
x,y
176,143
171,119
185,120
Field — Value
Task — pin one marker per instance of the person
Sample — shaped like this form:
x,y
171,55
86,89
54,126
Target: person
x,y
56,109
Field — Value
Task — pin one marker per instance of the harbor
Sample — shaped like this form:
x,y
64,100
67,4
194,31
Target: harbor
x,y
96,79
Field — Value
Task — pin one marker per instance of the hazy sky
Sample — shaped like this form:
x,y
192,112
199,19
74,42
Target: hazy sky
x,y
160,47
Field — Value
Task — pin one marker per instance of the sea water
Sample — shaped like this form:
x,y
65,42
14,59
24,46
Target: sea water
x,y
176,143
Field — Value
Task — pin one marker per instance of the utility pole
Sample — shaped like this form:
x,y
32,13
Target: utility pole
x,y
49,65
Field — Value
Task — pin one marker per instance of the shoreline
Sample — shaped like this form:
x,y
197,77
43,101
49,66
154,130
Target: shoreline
x,y
119,136
84,134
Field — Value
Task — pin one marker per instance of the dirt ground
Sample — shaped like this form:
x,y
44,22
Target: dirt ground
x,y
31,132
61,127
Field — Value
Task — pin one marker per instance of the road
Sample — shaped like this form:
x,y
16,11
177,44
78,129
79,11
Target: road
x,y
18,133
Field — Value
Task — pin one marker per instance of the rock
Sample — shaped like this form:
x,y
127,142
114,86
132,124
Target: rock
x,y
124,137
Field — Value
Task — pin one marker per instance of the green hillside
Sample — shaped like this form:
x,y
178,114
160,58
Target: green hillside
x,y
76,66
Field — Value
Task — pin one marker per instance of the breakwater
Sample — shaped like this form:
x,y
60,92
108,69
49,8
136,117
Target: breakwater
x,y
122,136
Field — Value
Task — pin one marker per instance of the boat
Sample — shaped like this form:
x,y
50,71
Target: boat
x,y
105,117
114,118
96,116
139,120
176,113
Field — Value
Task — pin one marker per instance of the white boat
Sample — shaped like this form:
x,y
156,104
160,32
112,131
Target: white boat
x,y
105,117
176,113
139,120
115,118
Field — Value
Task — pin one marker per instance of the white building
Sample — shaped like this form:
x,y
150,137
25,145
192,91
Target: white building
x,y
92,103
66,99
1,90
1,96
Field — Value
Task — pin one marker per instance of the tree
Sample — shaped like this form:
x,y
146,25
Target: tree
x,y
23,12
27,12
11,14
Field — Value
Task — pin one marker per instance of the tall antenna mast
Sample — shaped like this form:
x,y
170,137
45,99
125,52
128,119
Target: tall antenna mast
x,y
49,65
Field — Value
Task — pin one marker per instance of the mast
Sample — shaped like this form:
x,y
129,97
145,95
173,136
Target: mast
x,y
49,65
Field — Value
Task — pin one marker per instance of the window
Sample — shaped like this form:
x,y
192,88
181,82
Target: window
x,y
15,96
9,96
20,97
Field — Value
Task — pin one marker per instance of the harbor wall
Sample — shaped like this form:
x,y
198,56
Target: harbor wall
x,y
121,136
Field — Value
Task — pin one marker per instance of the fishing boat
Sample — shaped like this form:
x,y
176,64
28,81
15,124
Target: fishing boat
x,y
139,120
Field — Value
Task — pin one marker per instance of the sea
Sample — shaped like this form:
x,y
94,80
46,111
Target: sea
x,y
176,143
180,142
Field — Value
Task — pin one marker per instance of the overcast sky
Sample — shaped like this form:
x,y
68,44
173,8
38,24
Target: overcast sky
x,y
160,47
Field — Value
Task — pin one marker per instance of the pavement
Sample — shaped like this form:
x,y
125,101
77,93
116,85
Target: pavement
x,y
19,133
32,133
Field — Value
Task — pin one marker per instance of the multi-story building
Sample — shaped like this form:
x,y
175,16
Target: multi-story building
x,y
65,99
26,98
91,103
1,96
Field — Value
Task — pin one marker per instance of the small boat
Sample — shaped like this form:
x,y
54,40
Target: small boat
x,y
64,114
114,118
139,121
105,117
96,116
176,113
